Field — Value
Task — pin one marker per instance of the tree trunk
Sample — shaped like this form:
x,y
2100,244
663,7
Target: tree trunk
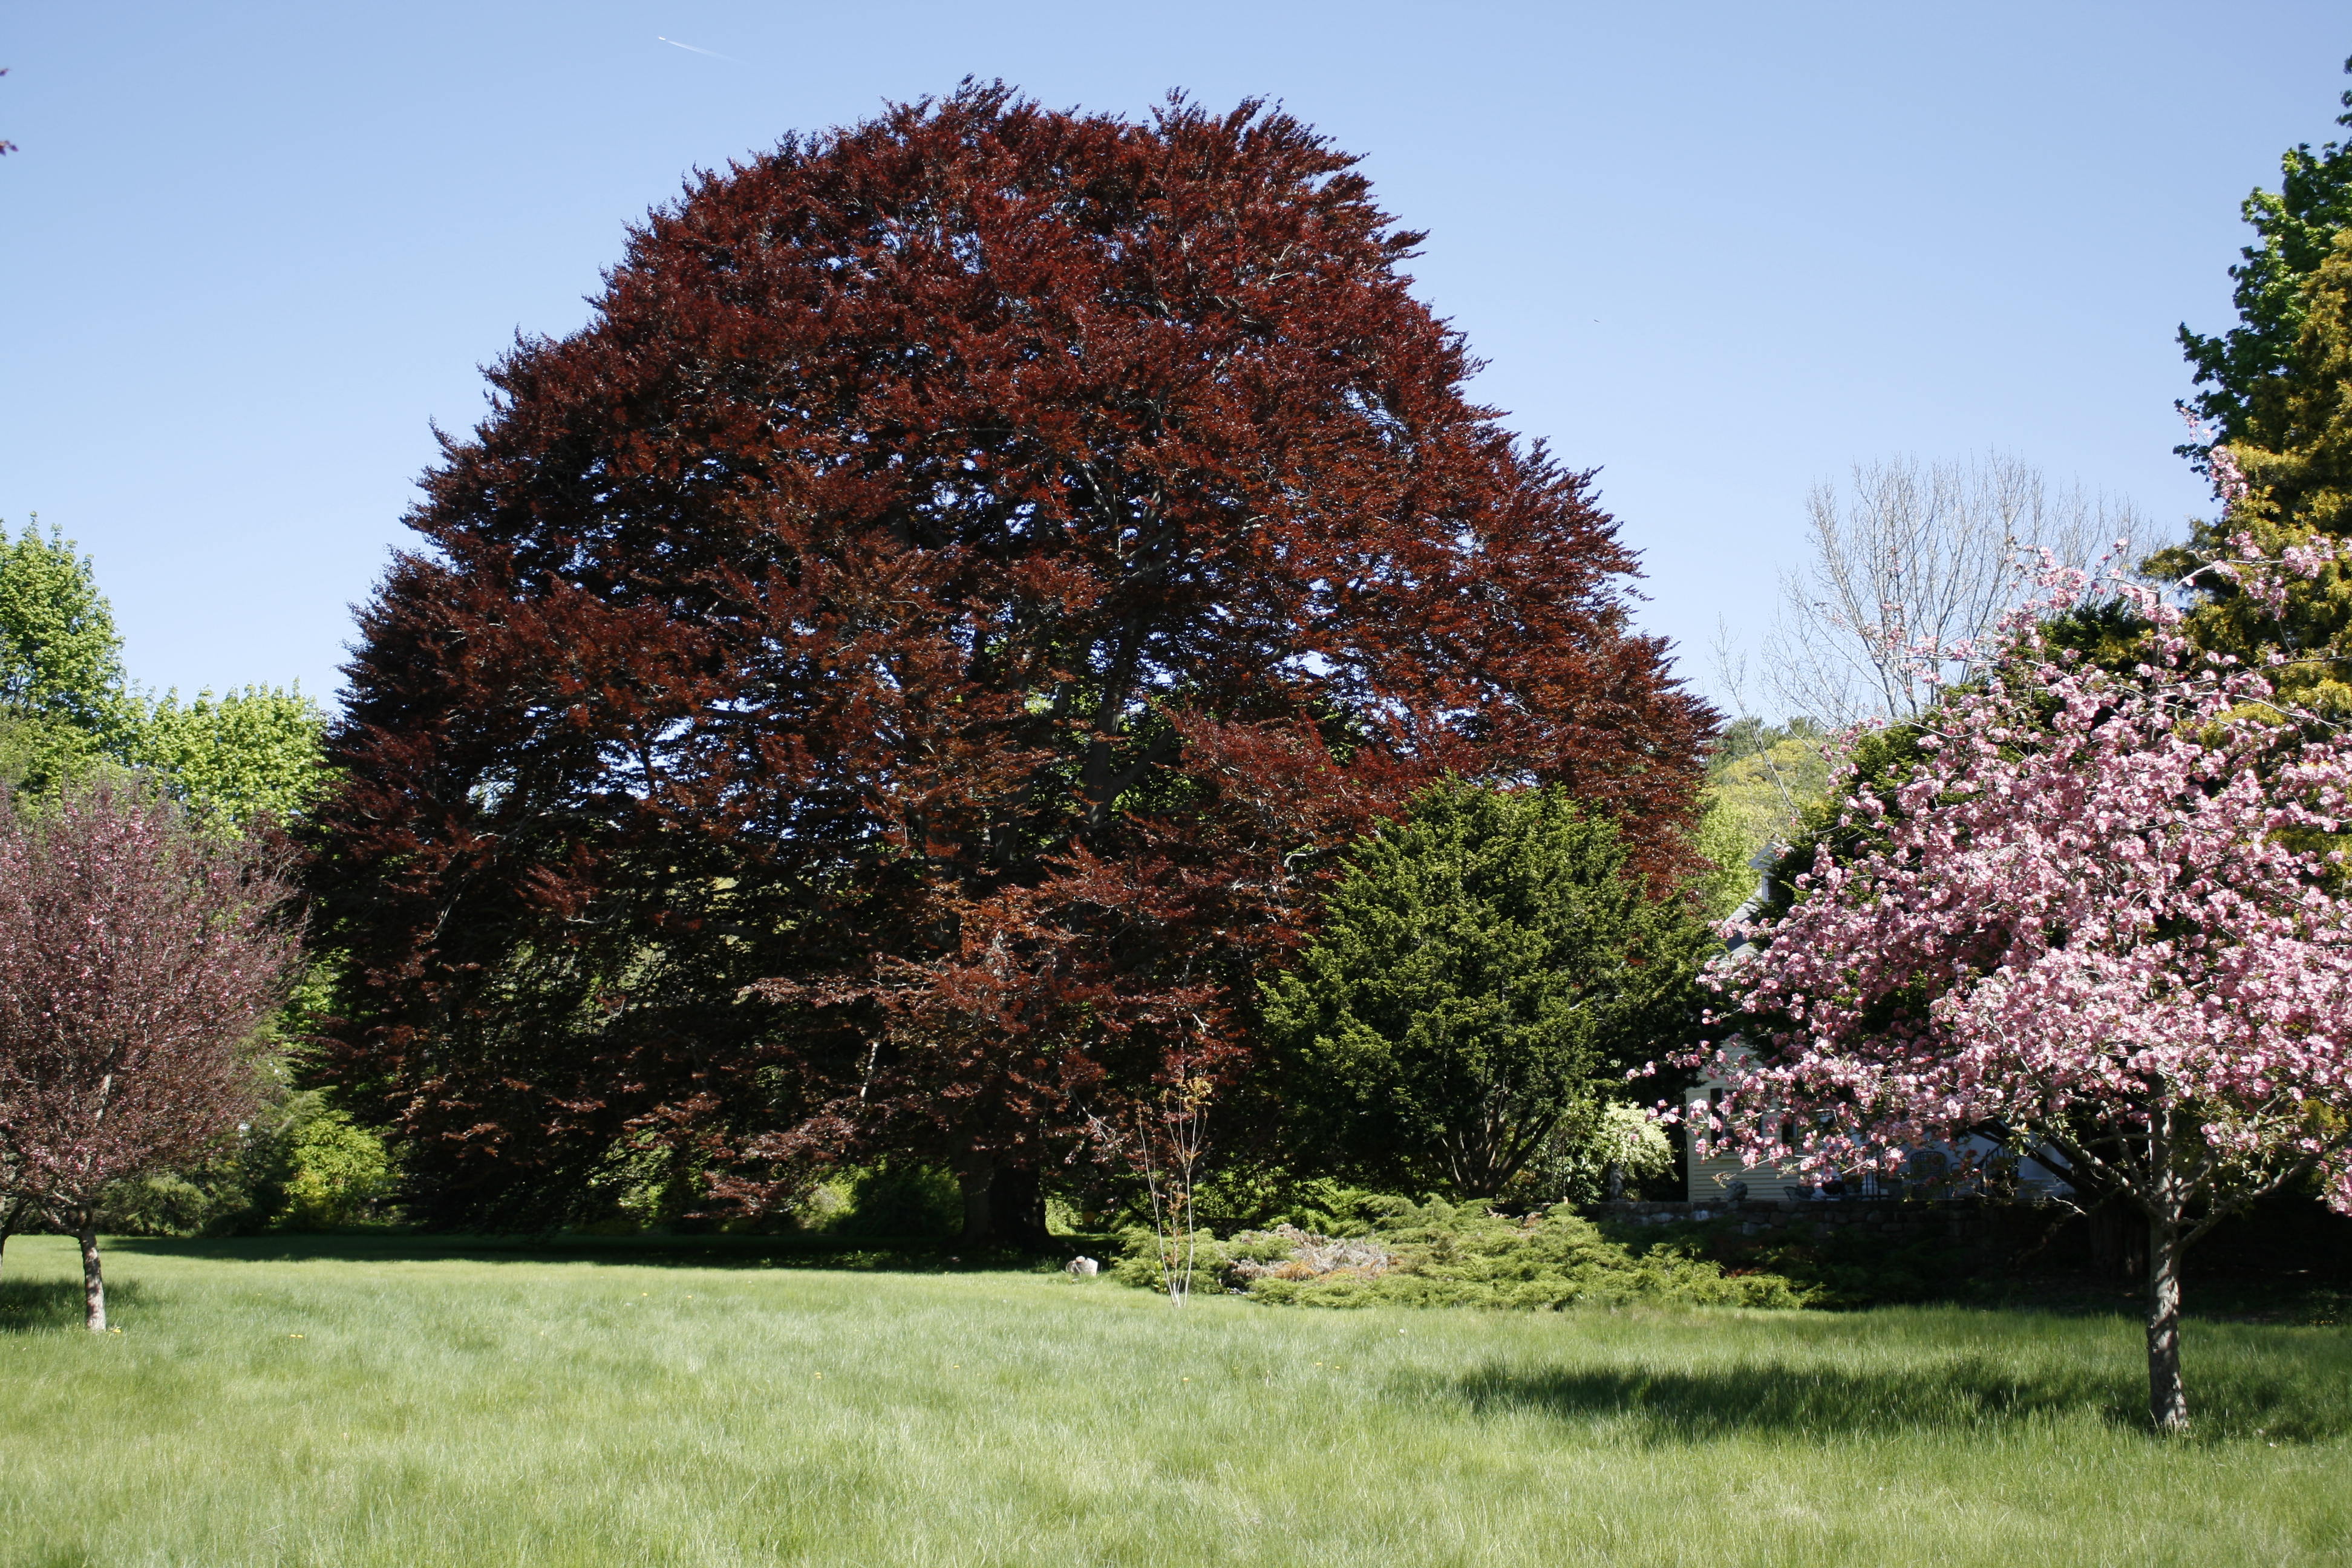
x,y
11,1215
1016,1205
1004,1206
2168,1401
93,1283
976,1175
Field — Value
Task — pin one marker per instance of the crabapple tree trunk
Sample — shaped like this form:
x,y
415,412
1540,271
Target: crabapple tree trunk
x,y
2168,1399
93,1279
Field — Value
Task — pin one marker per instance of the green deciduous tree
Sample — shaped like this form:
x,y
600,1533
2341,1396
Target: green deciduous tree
x,y
62,705
1483,971
245,755
1762,779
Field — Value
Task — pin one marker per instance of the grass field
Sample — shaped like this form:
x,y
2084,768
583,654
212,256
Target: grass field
x,y
381,1403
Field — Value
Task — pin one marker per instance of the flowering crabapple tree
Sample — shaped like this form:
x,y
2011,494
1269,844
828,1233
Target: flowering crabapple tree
x,y
139,959
2098,919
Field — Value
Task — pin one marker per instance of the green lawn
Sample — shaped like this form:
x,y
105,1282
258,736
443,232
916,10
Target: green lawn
x,y
357,1402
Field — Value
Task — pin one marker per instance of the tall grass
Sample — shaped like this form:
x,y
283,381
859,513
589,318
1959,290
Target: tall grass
x,y
358,1406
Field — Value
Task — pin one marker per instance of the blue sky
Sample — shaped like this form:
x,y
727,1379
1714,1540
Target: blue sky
x,y
249,253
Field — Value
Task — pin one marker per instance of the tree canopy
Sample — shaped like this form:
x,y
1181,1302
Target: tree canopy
x,y
2085,908
138,962
901,667
62,704
2280,447
239,757
2298,225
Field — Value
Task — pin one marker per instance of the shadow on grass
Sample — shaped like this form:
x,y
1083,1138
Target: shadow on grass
x,y
877,1255
2278,1400
40,1306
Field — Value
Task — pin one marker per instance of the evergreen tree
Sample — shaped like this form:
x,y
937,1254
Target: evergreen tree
x,y
1484,968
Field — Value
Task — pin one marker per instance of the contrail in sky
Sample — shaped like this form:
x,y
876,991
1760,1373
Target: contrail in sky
x,y
689,48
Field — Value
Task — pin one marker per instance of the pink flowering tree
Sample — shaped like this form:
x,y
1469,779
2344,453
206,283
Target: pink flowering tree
x,y
138,962
2097,919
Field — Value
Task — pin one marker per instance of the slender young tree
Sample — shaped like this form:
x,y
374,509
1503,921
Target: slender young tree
x,y
899,670
2093,914
138,960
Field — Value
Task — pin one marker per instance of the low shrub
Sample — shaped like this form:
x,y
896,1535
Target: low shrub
x,y
1843,1270
1436,1255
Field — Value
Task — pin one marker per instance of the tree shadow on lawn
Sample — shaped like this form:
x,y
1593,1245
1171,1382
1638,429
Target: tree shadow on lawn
x,y
2277,1399
865,1253
40,1306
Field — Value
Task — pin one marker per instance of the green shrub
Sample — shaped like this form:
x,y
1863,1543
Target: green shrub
x,y
336,1173
894,1198
296,1164
1840,1270
1436,1255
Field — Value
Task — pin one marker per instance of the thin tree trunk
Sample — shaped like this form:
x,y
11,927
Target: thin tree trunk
x,y
11,1215
93,1283
2168,1401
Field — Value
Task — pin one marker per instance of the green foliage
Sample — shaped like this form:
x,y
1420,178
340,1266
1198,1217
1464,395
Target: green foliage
x,y
2300,225
897,1198
251,753
1762,781
1573,1164
337,1174
1726,845
1882,759
299,1164
1482,971
1842,1270
62,705
1436,1255
2294,447
1260,1196
2277,394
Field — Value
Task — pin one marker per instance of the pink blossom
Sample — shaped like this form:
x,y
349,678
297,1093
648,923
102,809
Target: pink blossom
x,y
2094,924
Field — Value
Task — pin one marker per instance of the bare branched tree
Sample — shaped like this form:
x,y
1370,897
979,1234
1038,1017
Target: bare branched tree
x,y
1914,556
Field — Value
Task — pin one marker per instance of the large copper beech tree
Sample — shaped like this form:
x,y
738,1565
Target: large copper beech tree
x,y
893,679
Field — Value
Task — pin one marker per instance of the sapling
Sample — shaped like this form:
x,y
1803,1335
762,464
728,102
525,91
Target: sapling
x,y
1165,1148
138,962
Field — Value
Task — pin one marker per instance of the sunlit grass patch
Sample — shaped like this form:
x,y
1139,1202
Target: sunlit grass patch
x,y
455,1409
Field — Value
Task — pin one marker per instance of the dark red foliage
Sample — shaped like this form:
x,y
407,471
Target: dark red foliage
x,y
901,667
